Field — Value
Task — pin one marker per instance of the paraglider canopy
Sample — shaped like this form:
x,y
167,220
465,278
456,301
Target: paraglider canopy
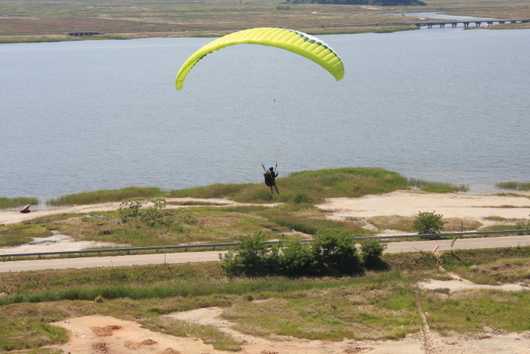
x,y
291,40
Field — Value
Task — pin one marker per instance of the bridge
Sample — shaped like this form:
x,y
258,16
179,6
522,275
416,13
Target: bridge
x,y
82,33
477,23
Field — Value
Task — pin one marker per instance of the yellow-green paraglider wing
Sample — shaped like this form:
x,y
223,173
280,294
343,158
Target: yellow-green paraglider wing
x,y
294,41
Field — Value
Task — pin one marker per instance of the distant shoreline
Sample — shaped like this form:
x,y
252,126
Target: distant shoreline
x,y
112,35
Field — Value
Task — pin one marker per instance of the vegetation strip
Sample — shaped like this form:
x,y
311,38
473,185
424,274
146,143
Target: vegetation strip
x,y
378,305
227,245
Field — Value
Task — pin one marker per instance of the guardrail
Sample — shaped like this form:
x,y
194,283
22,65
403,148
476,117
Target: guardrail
x,y
451,234
214,245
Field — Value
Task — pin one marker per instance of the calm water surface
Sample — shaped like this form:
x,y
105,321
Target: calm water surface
x,y
436,15
439,104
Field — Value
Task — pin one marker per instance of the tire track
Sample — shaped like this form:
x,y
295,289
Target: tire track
x,y
427,338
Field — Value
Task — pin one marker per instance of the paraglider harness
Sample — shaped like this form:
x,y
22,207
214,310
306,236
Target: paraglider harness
x,y
270,176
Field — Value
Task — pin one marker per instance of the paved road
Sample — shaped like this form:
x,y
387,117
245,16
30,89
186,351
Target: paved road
x,y
191,257
468,243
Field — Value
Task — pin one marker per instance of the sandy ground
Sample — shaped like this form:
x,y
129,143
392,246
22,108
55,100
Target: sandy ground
x,y
99,334
450,205
403,203
103,334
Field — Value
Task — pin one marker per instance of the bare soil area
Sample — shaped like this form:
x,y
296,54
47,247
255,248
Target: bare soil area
x,y
103,334
479,208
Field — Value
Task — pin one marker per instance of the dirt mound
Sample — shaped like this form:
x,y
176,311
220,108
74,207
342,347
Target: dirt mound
x,y
136,345
104,331
170,351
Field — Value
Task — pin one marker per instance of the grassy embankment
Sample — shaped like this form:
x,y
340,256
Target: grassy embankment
x,y
312,186
26,21
378,305
207,223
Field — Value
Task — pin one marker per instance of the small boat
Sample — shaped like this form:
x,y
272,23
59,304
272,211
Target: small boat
x,y
25,208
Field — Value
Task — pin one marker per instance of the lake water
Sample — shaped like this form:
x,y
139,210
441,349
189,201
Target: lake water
x,y
437,15
447,105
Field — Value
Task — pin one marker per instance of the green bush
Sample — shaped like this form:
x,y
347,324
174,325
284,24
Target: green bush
x,y
185,216
152,216
130,208
249,257
291,257
371,251
428,223
331,253
335,252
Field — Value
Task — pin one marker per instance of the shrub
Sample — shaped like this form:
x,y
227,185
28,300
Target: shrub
x,y
371,251
130,208
331,253
291,257
185,216
335,253
156,217
428,223
152,216
249,257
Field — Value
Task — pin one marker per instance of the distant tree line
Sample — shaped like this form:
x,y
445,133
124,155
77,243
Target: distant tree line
x,y
362,2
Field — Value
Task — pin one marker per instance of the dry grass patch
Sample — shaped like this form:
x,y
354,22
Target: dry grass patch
x,y
183,226
492,266
470,311
392,222
404,223
460,224
353,312
501,271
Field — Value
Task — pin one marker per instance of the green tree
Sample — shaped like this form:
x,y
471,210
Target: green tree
x,y
428,223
